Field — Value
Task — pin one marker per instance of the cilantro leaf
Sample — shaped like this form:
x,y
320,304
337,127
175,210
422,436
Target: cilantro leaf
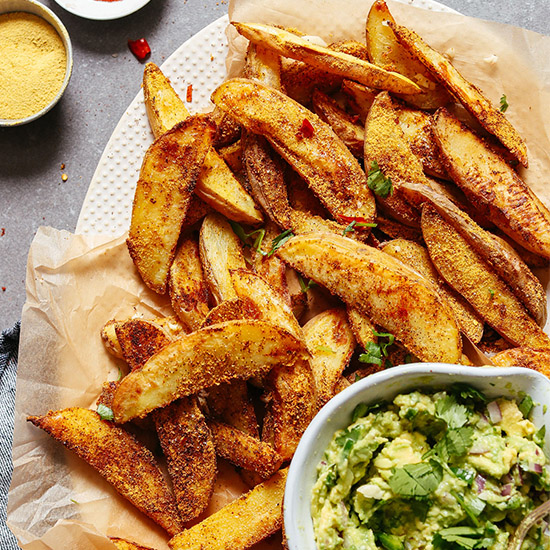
x,y
377,182
279,240
463,537
372,355
363,409
416,480
454,414
347,439
351,227
467,394
503,103
259,235
473,507
455,443
303,287
105,412
384,345
465,474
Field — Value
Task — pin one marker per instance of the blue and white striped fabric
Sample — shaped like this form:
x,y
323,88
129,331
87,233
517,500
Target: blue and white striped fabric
x,y
9,342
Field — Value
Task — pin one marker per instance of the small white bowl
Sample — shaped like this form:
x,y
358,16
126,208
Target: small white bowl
x,y
36,8
385,385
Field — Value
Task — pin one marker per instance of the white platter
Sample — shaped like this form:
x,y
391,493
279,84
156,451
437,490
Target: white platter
x,y
199,61
102,10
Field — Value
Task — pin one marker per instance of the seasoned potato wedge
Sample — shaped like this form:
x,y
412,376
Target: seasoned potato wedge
x,y
339,63
536,359
263,65
360,97
330,342
231,310
362,327
306,142
216,185
397,230
417,257
229,130
530,258
220,251
469,95
124,462
386,52
110,339
258,514
490,183
188,446
163,194
232,156
469,275
201,360
344,125
122,544
187,285
505,263
390,293
244,451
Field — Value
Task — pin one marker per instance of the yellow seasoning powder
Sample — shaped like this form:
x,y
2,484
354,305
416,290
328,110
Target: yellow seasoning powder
x,y
32,64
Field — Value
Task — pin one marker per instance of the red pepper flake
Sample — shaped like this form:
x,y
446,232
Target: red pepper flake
x,y
189,94
306,129
140,48
2,231
3,289
349,219
354,118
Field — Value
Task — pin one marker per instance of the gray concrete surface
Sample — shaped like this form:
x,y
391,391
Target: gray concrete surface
x,y
75,132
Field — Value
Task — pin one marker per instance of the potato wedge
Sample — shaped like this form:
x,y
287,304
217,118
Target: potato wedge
x,y
362,327
490,184
216,184
188,445
201,360
397,230
465,271
360,97
163,194
390,293
506,264
531,259
124,462
417,257
306,142
385,143
122,544
139,340
291,45
345,126
536,359
244,451
231,403
187,285
231,310
469,95
229,130
386,52
259,515
232,156
220,251
110,339
331,343
262,65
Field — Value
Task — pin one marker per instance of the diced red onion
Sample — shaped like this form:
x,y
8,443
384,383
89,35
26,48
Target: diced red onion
x,y
534,467
323,463
506,490
480,483
494,412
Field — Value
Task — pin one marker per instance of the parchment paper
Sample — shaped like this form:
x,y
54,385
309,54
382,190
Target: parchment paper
x,y
77,283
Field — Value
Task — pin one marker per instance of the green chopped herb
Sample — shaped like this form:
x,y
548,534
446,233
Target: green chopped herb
x,y
105,412
372,355
455,442
454,414
464,474
258,236
389,542
363,409
377,182
326,349
416,480
74,501
384,345
463,537
351,227
492,293
503,103
526,406
330,480
540,436
467,394
409,358
411,413
304,288
348,439
388,364
279,240
473,507
120,374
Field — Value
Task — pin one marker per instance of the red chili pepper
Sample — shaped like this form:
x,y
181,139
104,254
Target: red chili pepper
x,y
349,219
140,48
306,130
189,94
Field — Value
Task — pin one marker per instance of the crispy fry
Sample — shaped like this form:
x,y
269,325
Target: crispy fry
x,y
318,155
187,285
468,274
229,130
220,251
231,310
124,462
216,184
201,360
232,156
345,126
361,326
536,359
492,185
188,445
122,544
386,52
469,95
244,451
163,194
339,63
331,343
110,340
530,258
258,515
392,295
417,257
360,97
263,65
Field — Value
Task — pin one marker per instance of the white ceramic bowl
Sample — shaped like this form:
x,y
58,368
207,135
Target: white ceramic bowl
x,y
36,8
385,385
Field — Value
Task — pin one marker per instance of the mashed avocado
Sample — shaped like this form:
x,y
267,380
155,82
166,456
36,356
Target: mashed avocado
x,y
442,471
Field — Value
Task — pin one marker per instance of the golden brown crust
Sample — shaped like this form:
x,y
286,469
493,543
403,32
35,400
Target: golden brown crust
x,y
536,359
262,65
187,443
124,462
122,544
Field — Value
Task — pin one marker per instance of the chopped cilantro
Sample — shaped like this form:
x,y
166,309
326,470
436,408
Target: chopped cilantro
x,y
257,234
377,182
416,480
503,103
279,240
467,394
303,287
411,413
105,412
492,293
455,442
351,227
326,349
363,409
384,345
330,480
372,355
465,474
120,374
463,537
473,507
525,406
347,439
454,414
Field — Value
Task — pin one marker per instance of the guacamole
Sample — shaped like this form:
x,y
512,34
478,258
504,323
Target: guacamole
x,y
448,470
